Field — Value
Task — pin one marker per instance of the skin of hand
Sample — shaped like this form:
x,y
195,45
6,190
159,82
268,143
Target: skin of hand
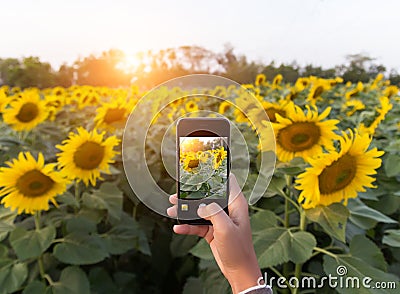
x,y
229,237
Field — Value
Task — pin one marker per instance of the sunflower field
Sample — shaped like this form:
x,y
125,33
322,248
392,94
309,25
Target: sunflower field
x,y
70,223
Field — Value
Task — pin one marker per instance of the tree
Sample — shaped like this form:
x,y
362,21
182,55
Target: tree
x,y
102,70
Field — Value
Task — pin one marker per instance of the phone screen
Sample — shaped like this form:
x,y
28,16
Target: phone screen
x,y
203,167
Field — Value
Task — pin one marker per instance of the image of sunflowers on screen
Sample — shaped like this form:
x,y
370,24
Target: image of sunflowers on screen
x,y
203,167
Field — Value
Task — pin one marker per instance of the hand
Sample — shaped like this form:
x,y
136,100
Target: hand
x,y
229,237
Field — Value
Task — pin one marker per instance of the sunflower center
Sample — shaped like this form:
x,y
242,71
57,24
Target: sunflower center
x,y
299,136
271,112
338,175
89,155
318,91
34,183
28,112
113,115
193,163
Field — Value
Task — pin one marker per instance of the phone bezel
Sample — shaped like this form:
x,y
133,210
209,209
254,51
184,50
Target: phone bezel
x,y
199,127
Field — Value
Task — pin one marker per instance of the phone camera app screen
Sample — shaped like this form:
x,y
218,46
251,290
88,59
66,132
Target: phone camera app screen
x,y
203,167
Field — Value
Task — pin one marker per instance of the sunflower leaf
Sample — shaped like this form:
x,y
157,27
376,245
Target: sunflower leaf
x,y
332,219
12,275
278,245
355,269
392,238
6,222
78,249
108,197
73,280
366,217
38,240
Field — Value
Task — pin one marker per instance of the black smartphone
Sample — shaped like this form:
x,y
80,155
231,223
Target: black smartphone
x,y
203,166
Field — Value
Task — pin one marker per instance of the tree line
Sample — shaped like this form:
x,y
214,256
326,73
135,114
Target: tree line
x,y
151,68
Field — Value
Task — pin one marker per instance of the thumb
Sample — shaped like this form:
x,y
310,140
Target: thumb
x,y
214,213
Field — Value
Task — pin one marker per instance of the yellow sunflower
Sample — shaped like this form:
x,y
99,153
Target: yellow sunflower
x,y
3,99
84,155
113,115
219,156
29,185
391,91
277,81
25,113
191,106
386,106
301,84
354,92
224,106
353,105
303,135
260,80
316,90
190,162
337,176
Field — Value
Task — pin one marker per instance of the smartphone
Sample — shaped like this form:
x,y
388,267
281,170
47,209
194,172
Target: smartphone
x,y
203,166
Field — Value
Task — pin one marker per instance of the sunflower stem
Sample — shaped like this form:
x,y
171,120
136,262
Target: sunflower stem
x,y
40,258
77,195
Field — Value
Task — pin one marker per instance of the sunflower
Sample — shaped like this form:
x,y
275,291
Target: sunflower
x,y
26,112
191,106
386,106
3,99
113,115
337,176
303,135
85,154
29,185
219,156
260,80
301,84
354,92
277,81
316,90
354,105
391,91
190,162
224,106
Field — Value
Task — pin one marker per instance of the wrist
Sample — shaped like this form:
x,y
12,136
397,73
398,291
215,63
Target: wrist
x,y
245,279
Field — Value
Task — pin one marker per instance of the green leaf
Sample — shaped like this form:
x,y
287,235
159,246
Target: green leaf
x,y
126,235
263,220
78,249
332,219
356,268
392,238
392,166
35,287
365,249
80,224
101,282
364,216
28,244
181,244
108,197
68,199
12,275
202,250
3,251
7,218
275,187
73,280
279,245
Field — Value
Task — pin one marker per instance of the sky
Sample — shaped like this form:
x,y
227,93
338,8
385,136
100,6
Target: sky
x,y
319,32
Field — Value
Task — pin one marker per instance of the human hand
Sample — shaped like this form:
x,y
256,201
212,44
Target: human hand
x,y
229,237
